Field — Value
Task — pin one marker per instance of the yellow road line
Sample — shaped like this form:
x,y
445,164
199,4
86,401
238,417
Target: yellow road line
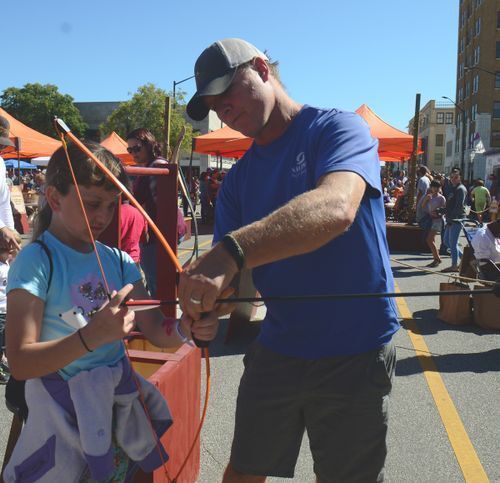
x,y
189,250
465,453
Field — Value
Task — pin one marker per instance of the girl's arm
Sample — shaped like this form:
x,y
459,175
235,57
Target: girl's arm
x,y
426,200
161,331
29,358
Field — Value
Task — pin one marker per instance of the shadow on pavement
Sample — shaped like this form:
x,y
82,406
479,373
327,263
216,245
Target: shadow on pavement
x,y
428,324
477,362
204,229
404,272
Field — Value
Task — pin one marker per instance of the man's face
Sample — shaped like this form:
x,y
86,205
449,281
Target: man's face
x,y
246,104
455,179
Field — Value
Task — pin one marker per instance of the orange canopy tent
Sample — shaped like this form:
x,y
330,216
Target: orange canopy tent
x,y
32,143
223,142
118,147
394,145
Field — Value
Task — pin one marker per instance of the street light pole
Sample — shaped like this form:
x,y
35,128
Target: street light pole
x,y
176,83
462,157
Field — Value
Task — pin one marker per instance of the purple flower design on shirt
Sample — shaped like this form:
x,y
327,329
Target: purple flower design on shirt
x,y
89,294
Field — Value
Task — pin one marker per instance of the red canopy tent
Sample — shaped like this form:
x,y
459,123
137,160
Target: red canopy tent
x,y
394,145
118,147
223,142
32,143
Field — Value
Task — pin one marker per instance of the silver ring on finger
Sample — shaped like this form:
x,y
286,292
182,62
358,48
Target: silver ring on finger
x,y
195,301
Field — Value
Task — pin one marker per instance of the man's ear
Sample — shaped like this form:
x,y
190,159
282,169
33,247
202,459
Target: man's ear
x,y
260,65
53,197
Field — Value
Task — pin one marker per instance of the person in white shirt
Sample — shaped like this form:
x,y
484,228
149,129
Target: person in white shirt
x,y
6,256
486,245
7,232
486,242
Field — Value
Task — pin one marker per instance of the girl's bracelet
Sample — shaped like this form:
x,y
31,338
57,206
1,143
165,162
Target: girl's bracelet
x,y
184,339
169,324
83,341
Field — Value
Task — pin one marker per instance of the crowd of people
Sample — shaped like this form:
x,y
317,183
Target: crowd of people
x,y
441,202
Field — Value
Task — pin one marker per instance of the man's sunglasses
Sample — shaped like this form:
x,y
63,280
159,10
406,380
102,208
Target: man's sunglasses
x,y
134,149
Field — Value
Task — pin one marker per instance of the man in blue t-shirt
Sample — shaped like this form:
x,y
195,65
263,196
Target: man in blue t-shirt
x,y
303,209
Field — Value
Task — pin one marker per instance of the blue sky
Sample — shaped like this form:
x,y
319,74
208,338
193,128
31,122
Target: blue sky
x,y
332,53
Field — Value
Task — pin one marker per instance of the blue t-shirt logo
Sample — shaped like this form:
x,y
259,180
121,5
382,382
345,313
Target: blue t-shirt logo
x,y
300,167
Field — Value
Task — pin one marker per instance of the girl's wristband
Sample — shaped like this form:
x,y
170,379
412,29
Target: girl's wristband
x,y
170,324
183,338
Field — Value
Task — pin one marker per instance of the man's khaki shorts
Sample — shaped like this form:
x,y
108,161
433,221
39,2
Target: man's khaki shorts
x,y
341,401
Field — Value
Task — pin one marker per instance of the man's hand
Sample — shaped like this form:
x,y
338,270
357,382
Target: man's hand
x,y
205,280
206,328
8,239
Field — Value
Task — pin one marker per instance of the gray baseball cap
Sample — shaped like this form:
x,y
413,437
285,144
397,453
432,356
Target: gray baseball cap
x,y
215,69
4,132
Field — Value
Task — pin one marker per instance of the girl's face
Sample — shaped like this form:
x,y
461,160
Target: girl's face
x,y
434,190
138,151
68,222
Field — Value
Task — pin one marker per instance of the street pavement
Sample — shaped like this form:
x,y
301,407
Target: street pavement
x,y
468,361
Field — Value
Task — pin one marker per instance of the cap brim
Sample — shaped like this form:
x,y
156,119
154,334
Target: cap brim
x,y
6,142
196,108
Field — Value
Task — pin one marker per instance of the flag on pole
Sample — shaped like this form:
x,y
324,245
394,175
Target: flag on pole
x,y
478,144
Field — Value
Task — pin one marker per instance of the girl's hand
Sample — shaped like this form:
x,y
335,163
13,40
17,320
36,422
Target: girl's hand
x,y
112,322
205,328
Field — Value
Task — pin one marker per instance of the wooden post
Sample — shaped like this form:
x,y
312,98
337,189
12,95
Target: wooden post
x,y
412,164
166,127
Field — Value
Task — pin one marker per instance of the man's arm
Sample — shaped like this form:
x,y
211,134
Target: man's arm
x,y
304,224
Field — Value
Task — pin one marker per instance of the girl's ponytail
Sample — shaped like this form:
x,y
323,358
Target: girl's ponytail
x,y
42,221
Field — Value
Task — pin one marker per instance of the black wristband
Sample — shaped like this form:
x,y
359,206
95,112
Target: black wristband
x,y
83,341
234,249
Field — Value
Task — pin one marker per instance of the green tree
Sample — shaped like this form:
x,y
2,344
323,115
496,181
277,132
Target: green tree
x,y
36,105
146,109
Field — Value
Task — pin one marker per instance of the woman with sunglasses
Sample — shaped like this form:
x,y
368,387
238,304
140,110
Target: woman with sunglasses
x,y
146,152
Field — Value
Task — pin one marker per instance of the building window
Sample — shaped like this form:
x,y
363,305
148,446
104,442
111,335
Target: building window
x,y
474,112
467,89
478,25
449,148
498,20
476,55
498,50
438,158
439,140
496,110
497,80
440,118
449,118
